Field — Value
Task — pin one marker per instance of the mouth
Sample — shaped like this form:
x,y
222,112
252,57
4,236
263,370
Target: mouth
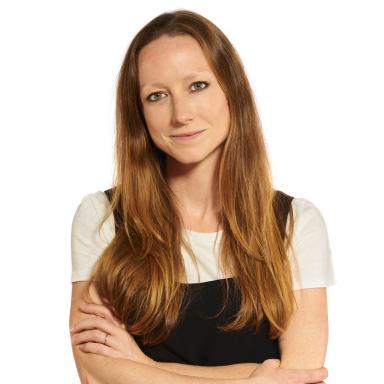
x,y
189,136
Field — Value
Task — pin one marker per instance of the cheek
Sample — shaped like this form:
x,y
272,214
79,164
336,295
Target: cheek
x,y
156,135
156,121
149,117
220,112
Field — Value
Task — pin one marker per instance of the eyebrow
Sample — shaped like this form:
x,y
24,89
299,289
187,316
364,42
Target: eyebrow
x,y
193,74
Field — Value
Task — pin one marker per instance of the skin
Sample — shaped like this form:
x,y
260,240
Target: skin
x,y
184,106
90,332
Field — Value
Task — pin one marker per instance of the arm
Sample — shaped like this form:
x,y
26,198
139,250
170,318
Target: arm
x,y
75,316
232,371
97,369
106,370
303,345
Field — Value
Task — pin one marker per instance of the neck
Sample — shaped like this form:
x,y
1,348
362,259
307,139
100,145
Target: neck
x,y
195,187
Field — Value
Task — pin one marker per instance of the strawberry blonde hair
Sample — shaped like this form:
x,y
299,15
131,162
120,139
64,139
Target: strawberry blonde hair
x,y
140,275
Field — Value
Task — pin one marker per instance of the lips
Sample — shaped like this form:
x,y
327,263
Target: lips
x,y
188,134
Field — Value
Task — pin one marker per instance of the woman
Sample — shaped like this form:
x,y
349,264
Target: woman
x,y
192,264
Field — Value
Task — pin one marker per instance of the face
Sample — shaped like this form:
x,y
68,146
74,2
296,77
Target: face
x,y
180,94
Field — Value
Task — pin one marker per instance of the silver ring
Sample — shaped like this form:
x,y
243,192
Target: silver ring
x,y
105,340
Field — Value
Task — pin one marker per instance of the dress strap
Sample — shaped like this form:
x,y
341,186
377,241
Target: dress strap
x,y
281,206
117,213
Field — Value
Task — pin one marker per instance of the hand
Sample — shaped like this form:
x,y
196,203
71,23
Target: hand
x,y
90,334
269,372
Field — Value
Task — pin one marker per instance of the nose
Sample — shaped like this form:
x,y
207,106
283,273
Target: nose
x,y
181,110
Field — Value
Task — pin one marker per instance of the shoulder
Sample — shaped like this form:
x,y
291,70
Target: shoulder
x,y
91,209
307,216
88,236
96,201
311,252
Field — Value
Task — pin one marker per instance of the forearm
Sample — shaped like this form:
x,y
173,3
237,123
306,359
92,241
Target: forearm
x,y
232,371
106,370
80,369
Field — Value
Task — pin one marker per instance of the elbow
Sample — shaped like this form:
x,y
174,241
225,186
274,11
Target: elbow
x,y
92,365
303,361
82,365
304,356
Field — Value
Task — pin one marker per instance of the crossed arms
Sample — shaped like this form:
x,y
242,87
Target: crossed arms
x,y
303,345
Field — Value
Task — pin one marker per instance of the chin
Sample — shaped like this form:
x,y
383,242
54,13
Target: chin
x,y
186,160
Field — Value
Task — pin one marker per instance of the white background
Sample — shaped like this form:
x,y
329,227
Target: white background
x,y
316,68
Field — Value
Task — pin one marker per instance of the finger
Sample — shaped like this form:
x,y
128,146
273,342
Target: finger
x,y
100,310
99,349
273,363
314,375
96,336
93,335
95,323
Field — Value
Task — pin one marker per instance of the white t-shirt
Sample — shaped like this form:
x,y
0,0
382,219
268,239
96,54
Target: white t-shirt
x,y
311,260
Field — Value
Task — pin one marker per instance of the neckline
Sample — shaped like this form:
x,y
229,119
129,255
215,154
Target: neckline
x,y
202,235
210,282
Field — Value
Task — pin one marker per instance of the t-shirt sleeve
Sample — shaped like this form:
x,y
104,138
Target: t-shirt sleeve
x,y
87,243
311,256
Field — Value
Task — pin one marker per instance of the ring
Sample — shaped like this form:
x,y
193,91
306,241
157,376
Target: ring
x,y
105,340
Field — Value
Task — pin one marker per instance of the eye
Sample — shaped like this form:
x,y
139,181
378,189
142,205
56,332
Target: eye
x,y
201,82
150,99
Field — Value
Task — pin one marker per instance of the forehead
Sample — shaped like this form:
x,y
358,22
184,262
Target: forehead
x,y
170,58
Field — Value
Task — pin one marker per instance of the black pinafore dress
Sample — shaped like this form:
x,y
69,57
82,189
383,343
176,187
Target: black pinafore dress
x,y
196,340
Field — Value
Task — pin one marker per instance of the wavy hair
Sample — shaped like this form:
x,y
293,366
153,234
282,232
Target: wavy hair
x,y
140,275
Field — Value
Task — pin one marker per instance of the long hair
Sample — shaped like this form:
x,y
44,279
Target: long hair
x,y
140,275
